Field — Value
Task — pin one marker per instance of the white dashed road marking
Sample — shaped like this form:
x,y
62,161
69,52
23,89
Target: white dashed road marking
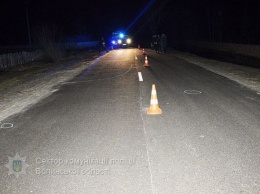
x,y
192,92
140,76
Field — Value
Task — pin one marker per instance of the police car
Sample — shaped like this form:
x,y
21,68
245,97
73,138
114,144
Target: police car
x,y
120,40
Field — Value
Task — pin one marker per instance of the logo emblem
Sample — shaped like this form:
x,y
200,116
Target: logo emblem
x,y
16,165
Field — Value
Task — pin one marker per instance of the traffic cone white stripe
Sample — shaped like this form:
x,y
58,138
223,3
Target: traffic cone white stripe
x,y
154,101
154,92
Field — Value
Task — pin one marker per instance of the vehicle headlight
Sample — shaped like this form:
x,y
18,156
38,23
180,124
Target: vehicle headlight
x,y
128,41
113,42
119,41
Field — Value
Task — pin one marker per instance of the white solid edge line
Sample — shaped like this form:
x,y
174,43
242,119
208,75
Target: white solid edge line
x,y
140,76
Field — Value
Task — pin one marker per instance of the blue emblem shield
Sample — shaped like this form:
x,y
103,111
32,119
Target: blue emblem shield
x,y
17,165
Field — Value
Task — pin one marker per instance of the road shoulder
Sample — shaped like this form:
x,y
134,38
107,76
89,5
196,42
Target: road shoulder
x,y
247,76
30,86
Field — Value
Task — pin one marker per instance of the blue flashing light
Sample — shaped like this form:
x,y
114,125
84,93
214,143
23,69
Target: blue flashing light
x,y
121,35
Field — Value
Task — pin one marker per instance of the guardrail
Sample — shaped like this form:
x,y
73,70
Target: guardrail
x,y
229,48
8,61
80,45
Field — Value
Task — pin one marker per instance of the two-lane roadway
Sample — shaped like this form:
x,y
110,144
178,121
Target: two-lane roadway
x,y
93,135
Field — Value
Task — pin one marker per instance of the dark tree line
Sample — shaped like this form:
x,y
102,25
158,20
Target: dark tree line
x,y
215,21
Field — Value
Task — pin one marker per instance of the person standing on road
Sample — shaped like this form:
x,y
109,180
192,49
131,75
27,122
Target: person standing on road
x,y
102,45
152,41
163,43
157,44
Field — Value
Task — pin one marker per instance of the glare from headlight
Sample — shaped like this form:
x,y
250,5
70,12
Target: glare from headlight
x,y
119,41
128,41
113,42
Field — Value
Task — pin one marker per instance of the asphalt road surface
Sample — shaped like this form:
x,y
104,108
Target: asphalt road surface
x,y
93,134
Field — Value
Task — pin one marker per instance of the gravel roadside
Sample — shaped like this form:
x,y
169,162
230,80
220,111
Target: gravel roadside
x,y
244,75
29,86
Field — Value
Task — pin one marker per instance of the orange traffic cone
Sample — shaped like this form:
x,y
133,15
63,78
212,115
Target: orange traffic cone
x,y
154,107
146,62
143,52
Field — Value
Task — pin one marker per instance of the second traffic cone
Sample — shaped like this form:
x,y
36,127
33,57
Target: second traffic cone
x,y
146,62
154,106
143,52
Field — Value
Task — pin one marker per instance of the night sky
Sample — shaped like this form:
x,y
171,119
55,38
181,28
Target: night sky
x,y
220,21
